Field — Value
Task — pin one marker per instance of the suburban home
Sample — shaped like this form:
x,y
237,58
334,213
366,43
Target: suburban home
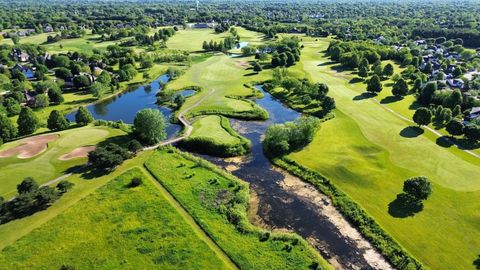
x,y
474,113
455,83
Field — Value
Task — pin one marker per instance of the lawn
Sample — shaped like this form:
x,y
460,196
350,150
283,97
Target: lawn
x,y
226,76
369,150
192,39
83,44
210,196
47,166
116,227
209,126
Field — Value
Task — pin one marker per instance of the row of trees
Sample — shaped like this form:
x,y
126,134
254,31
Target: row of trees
x,y
31,198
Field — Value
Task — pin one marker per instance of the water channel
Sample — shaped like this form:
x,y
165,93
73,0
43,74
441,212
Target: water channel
x,y
284,202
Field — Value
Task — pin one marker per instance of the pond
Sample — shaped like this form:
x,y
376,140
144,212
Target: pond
x,y
125,105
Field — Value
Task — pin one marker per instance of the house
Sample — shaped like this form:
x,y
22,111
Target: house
x,y
48,29
474,113
455,83
30,98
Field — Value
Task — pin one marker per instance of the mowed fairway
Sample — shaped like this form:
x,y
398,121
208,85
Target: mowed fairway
x,y
117,227
226,76
192,39
362,151
209,126
46,166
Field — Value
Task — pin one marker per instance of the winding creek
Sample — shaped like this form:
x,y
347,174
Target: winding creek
x,y
281,201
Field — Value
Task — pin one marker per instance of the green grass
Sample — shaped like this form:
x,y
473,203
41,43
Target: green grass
x,y
83,44
209,126
46,166
226,76
116,227
192,39
208,196
363,153
213,135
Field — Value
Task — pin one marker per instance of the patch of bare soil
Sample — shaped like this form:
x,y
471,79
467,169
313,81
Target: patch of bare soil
x,y
79,152
325,207
242,64
30,147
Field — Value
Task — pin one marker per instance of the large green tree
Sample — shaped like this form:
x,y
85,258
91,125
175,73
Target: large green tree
x,y
149,126
374,85
400,88
422,116
56,121
27,121
83,117
7,130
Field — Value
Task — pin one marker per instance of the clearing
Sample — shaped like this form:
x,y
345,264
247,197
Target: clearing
x,y
116,227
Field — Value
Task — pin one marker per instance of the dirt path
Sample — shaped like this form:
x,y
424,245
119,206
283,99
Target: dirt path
x,y
191,221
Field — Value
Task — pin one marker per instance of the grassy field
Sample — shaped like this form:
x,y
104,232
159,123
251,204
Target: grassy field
x,y
213,135
226,76
116,227
368,150
46,166
210,197
83,44
192,39
209,126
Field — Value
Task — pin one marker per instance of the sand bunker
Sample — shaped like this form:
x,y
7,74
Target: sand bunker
x,y
242,64
79,152
30,147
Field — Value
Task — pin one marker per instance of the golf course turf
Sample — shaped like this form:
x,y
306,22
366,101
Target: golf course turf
x,y
118,226
363,152
46,165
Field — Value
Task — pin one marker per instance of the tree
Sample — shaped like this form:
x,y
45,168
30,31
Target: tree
x,y
472,133
422,116
104,78
56,121
257,67
454,99
41,101
455,127
98,89
134,146
374,85
83,117
417,85
108,157
377,70
149,126
427,93
400,88
55,95
363,71
28,185
388,70
12,106
15,39
418,188
63,73
457,111
81,81
328,104
27,122
64,186
7,130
